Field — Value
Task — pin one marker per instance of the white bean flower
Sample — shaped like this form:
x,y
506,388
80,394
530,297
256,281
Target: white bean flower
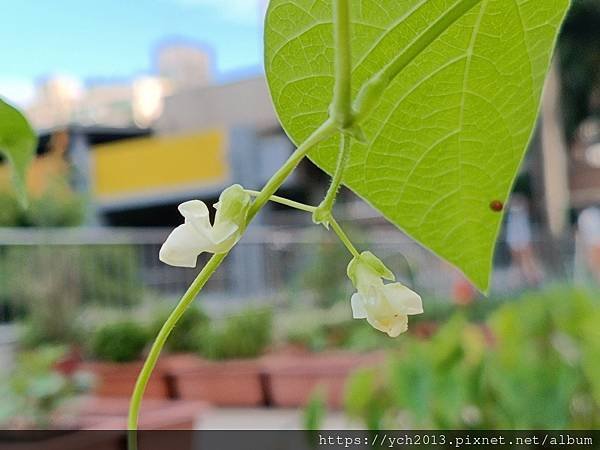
x,y
385,306
197,235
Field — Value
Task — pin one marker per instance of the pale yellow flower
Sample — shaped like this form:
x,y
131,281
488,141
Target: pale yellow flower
x,y
385,306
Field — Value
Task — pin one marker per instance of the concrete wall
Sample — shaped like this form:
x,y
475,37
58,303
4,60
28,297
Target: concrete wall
x,y
244,103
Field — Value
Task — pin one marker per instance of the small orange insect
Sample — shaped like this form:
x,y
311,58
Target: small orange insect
x,y
496,205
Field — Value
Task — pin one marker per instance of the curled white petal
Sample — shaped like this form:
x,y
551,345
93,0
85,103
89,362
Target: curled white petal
x,y
197,215
385,306
194,210
358,307
182,247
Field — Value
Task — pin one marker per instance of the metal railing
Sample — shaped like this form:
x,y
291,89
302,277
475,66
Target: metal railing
x,y
120,267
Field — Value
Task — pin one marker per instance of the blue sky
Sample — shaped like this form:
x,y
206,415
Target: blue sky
x,y
115,39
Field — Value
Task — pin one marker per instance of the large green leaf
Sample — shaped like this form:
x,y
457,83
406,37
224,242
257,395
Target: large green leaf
x,y
17,144
447,138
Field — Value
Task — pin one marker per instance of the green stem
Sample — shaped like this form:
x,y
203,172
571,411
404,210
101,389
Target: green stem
x,y
311,209
164,333
341,107
286,202
371,92
325,131
326,205
343,237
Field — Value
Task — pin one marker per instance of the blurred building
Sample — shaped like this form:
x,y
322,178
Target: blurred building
x,y
138,153
184,66
62,101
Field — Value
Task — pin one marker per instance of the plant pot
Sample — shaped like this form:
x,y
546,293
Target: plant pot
x,y
111,414
118,379
100,423
105,413
292,380
62,440
70,362
227,383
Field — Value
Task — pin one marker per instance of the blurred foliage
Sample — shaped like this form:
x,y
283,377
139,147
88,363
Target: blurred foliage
x,y
313,416
35,389
10,212
327,285
579,53
57,206
47,284
186,334
47,288
330,329
534,364
110,275
119,342
315,410
246,335
18,142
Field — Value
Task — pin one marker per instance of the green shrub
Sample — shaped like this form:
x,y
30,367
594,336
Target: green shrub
x,y
43,283
109,275
119,342
347,334
187,333
314,339
34,390
246,335
54,210
540,372
9,210
40,332
57,206
328,286
66,277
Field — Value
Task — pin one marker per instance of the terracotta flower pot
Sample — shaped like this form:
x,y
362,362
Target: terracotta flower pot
x,y
118,379
98,413
103,413
223,383
292,380
70,362
74,439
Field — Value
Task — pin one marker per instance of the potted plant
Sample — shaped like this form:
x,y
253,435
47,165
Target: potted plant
x,y
182,347
35,389
292,381
230,373
40,398
116,350
333,350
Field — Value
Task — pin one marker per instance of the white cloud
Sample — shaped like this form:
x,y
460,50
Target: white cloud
x,y
234,10
19,91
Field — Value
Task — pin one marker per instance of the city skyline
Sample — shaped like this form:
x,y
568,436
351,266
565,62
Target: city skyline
x,y
119,41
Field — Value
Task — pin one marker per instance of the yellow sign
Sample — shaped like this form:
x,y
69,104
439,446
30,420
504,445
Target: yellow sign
x,y
159,166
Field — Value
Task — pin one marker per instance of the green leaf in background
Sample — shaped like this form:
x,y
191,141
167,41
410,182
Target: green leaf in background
x,y
17,143
447,138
